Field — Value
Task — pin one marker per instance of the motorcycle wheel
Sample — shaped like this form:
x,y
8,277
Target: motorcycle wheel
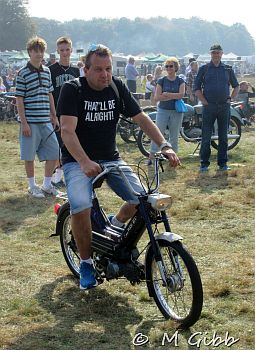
x,y
67,241
234,129
144,142
127,131
181,297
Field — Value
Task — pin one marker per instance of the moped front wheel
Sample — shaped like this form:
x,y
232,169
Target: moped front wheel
x,y
68,245
174,282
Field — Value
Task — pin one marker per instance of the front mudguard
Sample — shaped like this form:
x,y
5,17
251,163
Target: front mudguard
x,y
169,236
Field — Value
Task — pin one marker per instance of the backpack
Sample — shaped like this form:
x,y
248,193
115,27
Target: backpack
x,y
77,84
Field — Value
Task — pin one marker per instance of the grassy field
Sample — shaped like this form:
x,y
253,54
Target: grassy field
x,y
41,306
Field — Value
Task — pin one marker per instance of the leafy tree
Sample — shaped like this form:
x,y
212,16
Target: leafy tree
x,y
15,25
158,35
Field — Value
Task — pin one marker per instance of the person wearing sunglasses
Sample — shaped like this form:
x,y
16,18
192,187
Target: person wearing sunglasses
x,y
212,88
169,89
88,118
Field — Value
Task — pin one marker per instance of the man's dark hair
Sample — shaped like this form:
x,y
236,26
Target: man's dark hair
x,y
192,59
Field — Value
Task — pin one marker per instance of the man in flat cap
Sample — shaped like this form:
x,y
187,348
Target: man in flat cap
x,y
212,88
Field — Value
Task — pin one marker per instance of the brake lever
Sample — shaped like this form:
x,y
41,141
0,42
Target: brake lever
x,y
161,165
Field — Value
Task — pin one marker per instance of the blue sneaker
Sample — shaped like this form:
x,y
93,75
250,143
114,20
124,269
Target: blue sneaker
x,y
87,276
224,168
203,169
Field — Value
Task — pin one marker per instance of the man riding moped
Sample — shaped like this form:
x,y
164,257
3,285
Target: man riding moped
x,y
89,115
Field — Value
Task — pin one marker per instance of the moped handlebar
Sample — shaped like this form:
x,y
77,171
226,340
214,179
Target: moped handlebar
x,y
158,159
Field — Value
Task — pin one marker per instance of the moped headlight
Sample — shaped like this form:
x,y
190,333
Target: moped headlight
x,y
160,201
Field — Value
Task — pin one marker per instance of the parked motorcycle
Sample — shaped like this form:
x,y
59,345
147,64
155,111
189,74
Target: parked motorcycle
x,y
247,112
191,128
8,109
167,268
127,129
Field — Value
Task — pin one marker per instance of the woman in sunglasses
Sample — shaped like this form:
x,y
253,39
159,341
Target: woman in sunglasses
x,y
169,89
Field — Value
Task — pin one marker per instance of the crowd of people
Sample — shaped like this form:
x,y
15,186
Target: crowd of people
x,y
76,109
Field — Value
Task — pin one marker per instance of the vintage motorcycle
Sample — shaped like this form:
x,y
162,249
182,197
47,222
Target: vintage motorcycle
x,y
191,128
160,260
8,109
126,128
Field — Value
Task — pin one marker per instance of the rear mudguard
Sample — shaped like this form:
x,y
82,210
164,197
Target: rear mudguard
x,y
59,223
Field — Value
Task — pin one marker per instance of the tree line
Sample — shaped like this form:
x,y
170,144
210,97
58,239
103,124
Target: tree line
x,y
157,35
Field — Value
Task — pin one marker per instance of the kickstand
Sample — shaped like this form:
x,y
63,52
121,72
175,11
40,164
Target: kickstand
x,y
197,147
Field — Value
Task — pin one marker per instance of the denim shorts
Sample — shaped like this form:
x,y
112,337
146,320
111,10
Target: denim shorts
x,y
43,142
79,186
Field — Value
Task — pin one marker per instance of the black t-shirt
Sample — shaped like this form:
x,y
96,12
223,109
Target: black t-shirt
x,y
59,75
98,115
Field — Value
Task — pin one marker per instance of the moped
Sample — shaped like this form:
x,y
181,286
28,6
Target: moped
x,y
145,250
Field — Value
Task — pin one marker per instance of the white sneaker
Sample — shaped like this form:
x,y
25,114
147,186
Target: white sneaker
x,y
51,190
36,192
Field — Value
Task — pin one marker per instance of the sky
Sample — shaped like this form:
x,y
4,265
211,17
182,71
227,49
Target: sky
x,y
224,11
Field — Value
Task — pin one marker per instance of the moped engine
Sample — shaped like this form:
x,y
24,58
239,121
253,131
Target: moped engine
x,y
134,272
193,133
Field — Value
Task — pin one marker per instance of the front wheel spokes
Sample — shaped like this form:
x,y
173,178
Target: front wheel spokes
x,y
173,279
179,295
162,272
173,292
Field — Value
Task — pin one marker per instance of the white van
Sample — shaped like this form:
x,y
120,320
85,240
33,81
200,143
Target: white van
x,y
119,63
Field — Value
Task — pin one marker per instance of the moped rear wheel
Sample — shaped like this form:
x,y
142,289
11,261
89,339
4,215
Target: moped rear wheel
x,y
67,241
180,296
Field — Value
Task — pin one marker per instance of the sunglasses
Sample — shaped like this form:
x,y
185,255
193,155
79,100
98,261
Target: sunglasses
x,y
94,47
169,66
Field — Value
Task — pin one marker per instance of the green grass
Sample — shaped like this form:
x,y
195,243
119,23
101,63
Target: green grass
x,y
41,306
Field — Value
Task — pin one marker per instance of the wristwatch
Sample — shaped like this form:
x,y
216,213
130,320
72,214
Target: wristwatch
x,y
165,144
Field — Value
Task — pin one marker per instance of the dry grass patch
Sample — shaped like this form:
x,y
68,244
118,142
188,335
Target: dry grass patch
x,y
41,306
